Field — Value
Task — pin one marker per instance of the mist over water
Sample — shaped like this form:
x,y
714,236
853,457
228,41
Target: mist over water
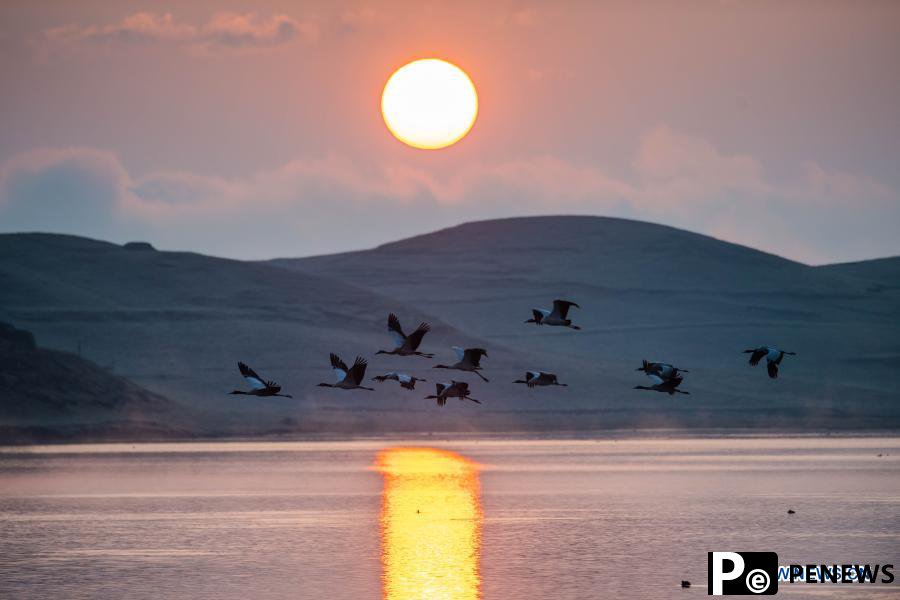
x,y
455,519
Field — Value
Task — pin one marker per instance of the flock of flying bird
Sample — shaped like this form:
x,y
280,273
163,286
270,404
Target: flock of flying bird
x,y
663,377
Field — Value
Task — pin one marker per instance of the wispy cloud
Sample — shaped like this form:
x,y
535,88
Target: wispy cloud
x,y
309,205
227,30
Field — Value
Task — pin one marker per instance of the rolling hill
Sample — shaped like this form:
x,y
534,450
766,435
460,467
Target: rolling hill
x,y
656,292
47,394
176,323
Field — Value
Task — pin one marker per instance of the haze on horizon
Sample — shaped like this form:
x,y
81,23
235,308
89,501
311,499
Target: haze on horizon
x,y
252,129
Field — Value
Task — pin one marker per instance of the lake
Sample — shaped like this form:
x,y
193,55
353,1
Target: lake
x,y
438,518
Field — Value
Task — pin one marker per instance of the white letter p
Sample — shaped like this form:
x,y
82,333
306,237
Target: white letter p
x,y
718,576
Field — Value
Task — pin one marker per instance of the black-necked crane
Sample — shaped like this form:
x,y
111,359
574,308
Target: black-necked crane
x,y
469,360
348,379
664,370
540,378
668,386
406,345
772,355
406,381
260,386
453,389
558,317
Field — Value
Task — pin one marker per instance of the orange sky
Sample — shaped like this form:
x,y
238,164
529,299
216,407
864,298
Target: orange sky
x,y
765,123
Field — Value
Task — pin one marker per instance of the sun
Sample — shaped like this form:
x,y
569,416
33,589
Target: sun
x,y
429,104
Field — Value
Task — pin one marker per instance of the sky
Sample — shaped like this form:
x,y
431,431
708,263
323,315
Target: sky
x,y
253,129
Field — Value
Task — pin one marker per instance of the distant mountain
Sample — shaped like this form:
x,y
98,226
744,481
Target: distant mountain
x,y
177,323
48,394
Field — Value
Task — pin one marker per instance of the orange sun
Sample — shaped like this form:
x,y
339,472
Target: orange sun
x,y
429,104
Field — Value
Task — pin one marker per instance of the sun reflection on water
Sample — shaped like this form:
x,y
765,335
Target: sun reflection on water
x,y
430,525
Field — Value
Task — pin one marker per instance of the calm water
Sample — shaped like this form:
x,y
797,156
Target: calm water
x,y
451,520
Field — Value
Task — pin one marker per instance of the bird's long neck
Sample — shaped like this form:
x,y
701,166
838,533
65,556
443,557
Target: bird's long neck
x,y
440,367
239,392
519,381
325,385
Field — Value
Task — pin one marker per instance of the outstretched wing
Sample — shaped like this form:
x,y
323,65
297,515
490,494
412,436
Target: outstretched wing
x,y
255,381
758,355
773,369
395,330
473,355
440,387
358,370
338,367
415,338
561,308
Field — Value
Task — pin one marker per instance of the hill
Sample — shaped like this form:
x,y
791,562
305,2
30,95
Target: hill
x,y
656,292
176,323
884,272
57,395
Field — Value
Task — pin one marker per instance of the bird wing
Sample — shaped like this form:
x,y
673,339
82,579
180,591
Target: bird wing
x,y
255,381
338,367
415,338
395,330
460,352
402,377
529,375
473,355
561,307
440,387
462,386
757,355
358,370
773,369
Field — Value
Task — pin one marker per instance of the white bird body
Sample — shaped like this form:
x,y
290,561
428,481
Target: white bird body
x,y
667,386
558,317
540,378
406,381
469,360
452,389
348,378
664,370
260,387
406,345
773,357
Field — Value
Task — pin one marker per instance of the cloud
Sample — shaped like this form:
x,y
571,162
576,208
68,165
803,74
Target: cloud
x,y
227,30
78,190
334,203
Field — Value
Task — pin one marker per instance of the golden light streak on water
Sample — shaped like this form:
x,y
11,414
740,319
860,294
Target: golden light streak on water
x,y
431,520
